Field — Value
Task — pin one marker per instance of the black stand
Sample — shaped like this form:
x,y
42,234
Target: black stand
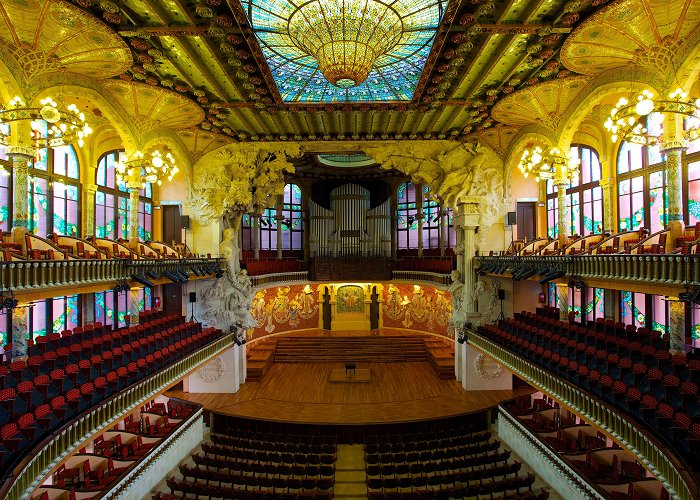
x,y
502,315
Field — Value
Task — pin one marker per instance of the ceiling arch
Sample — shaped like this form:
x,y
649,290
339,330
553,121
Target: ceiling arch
x,y
644,32
44,36
542,104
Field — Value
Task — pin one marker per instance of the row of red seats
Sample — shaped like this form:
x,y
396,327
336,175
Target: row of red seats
x,y
668,404
257,267
427,252
71,391
272,254
115,344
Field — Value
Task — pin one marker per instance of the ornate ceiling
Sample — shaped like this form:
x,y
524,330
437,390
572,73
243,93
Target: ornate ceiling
x,y
200,68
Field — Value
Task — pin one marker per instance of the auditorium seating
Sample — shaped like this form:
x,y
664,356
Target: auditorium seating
x,y
629,368
254,464
586,449
70,372
112,454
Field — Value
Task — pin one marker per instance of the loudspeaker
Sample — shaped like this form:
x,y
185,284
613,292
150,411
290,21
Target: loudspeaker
x,y
501,294
511,219
193,297
185,221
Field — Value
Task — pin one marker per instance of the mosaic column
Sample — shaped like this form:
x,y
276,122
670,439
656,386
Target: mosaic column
x,y
674,188
20,157
563,301
677,329
88,303
419,217
89,191
134,306
20,317
606,186
255,218
442,231
279,217
609,303
563,213
134,212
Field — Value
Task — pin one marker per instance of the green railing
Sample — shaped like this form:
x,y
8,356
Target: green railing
x,y
659,460
53,450
673,269
24,275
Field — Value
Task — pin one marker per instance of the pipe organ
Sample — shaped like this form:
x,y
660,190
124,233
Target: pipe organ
x,y
350,227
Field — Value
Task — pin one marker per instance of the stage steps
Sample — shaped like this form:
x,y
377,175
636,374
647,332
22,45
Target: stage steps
x,y
386,349
259,359
441,356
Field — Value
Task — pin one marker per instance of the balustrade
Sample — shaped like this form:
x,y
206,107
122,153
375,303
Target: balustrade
x,y
21,275
657,458
672,269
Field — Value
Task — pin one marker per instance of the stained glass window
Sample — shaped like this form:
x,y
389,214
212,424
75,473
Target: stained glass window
x,y
641,184
112,203
584,197
104,307
36,319
4,329
595,303
64,313
407,217
5,192
394,75
65,209
633,308
291,224
693,192
38,206
660,314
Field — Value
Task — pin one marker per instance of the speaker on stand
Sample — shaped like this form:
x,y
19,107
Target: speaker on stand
x,y
185,224
511,220
193,301
501,297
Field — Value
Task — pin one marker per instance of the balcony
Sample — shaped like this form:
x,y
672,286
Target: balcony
x,y
674,270
658,457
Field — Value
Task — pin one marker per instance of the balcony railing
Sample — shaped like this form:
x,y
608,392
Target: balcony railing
x,y
35,274
668,269
39,462
267,279
658,459
428,277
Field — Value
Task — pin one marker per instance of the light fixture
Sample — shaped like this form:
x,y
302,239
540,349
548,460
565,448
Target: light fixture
x,y
151,167
346,37
627,120
549,165
53,124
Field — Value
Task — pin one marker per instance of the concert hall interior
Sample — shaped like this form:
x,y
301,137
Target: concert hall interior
x,y
385,249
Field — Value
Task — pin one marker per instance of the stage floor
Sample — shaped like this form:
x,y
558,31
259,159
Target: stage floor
x,y
397,392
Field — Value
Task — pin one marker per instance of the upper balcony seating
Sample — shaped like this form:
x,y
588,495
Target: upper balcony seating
x,y
271,266
612,469
112,454
629,368
442,265
76,370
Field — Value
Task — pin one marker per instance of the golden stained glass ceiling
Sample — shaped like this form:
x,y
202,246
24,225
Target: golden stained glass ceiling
x,y
208,52
345,50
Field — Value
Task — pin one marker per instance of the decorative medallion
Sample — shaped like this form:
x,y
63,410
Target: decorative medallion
x,y
487,368
212,372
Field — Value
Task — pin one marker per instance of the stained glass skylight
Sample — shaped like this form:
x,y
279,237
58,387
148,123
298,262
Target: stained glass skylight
x,y
393,77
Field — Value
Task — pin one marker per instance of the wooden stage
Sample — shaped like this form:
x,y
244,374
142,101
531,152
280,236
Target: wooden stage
x,y
304,394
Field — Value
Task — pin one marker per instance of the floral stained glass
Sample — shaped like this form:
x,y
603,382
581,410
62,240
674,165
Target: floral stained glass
x,y
393,77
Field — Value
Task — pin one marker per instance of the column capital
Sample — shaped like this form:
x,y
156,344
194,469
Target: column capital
x,y
606,182
20,152
673,145
90,188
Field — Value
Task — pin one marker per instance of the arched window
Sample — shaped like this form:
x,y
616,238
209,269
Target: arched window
x,y
641,184
407,219
54,192
112,202
291,223
584,196
5,193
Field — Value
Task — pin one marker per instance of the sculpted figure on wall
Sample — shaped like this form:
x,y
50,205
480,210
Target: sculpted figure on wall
x,y
452,170
227,183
